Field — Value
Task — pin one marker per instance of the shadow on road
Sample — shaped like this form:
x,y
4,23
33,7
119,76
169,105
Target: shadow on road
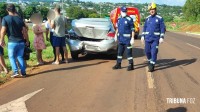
x,y
169,63
138,52
69,68
178,109
90,57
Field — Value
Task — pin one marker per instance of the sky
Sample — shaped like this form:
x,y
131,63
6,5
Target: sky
x,y
167,2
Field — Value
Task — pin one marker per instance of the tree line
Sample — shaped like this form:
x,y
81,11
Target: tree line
x,y
77,9
74,12
26,12
191,10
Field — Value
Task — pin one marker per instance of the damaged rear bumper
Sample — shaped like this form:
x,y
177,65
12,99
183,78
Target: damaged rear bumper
x,y
92,46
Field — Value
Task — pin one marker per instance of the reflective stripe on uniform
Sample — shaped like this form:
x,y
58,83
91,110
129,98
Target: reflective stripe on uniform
x,y
152,62
130,47
145,33
130,58
158,16
156,33
120,57
162,34
127,35
129,18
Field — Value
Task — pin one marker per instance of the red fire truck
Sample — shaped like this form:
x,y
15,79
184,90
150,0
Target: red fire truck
x,y
132,12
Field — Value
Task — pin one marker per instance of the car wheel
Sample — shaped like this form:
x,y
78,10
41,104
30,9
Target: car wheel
x,y
113,56
74,55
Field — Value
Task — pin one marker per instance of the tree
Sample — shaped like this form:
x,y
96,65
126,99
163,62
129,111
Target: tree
x,y
76,12
29,11
94,15
3,12
191,10
69,1
44,11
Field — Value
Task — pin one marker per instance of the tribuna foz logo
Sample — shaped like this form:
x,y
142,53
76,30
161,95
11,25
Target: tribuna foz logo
x,y
180,100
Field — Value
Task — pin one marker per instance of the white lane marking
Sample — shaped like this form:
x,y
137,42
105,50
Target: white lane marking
x,y
150,79
192,33
193,46
18,105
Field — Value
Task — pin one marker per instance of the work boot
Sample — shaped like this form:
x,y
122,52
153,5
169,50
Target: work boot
x,y
117,66
151,67
130,67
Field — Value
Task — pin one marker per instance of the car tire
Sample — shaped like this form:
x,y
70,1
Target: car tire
x,y
113,56
74,55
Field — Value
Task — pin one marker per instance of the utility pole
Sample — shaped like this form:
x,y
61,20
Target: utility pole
x,y
100,10
62,4
63,10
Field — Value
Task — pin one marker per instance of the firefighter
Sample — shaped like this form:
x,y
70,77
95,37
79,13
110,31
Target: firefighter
x,y
153,35
125,37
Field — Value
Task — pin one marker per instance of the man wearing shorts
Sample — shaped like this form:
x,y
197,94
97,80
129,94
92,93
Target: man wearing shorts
x,y
59,26
50,31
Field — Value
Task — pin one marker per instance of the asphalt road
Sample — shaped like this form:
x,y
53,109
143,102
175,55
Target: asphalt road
x,y
90,84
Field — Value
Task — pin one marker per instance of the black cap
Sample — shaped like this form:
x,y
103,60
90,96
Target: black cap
x,y
123,9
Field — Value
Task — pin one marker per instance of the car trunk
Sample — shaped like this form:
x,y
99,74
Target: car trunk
x,y
93,28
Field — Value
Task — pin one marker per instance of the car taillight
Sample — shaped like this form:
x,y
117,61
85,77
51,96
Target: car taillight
x,y
111,34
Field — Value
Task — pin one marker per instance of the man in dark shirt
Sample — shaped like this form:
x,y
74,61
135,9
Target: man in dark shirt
x,y
14,27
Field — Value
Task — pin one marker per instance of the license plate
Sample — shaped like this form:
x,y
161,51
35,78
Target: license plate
x,y
91,47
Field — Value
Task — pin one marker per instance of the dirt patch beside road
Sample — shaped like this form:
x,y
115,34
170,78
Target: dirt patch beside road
x,y
183,27
190,28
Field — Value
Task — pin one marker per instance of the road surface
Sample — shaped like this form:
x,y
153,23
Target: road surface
x,y
90,84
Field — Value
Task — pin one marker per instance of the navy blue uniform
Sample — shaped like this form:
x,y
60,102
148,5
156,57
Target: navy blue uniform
x,y
154,29
125,28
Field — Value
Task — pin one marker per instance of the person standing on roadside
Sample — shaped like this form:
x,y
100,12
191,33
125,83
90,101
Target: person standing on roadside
x,y
27,49
153,35
125,37
2,61
39,43
14,27
59,26
49,36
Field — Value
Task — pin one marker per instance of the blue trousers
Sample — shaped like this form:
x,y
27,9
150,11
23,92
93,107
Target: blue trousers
x,y
16,51
121,49
151,50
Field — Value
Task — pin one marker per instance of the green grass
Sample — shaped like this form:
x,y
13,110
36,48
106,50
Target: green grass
x,y
47,53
